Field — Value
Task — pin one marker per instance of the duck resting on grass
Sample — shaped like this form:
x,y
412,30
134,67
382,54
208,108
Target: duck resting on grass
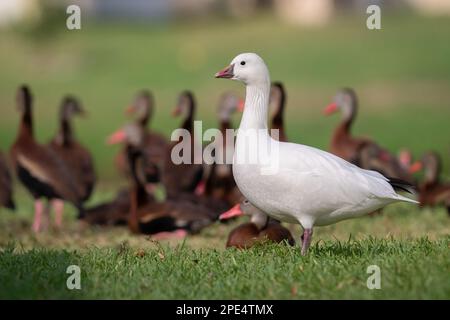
x,y
260,228
306,185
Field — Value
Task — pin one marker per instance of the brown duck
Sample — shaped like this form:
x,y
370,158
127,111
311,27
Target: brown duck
x,y
38,167
75,156
260,228
220,184
183,177
432,191
363,152
171,218
155,144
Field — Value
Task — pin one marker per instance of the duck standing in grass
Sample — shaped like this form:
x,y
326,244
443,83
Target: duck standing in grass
x,y
75,156
39,168
303,184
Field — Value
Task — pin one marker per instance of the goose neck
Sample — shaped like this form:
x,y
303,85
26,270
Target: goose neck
x,y
256,107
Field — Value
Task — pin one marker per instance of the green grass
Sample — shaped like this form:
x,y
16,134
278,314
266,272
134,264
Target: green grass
x,y
401,74
411,247
416,269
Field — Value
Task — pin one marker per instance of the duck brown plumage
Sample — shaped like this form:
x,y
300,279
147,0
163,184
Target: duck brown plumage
x,y
278,101
154,144
76,157
220,184
432,191
6,189
38,167
146,214
183,177
360,151
260,228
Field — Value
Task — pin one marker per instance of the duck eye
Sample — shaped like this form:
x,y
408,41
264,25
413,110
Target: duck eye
x,y
242,63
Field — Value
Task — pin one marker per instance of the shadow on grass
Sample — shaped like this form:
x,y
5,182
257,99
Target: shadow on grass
x,y
36,274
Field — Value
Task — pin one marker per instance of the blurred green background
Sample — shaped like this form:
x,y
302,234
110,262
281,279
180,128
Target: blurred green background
x,y
401,72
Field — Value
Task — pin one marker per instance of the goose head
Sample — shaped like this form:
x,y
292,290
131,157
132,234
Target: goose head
x,y
248,68
142,106
70,106
345,101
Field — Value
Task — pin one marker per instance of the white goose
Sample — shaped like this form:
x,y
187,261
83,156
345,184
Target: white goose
x,y
310,187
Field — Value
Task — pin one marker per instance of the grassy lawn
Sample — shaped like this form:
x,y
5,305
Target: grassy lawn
x,y
401,74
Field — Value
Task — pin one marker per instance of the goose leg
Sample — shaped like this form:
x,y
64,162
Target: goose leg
x,y
306,240
58,208
38,209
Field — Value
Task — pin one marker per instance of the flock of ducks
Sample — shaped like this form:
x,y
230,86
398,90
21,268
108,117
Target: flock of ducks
x,y
311,187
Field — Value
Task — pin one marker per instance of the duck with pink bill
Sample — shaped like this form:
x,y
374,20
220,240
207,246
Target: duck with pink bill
x,y
361,151
432,190
261,228
142,108
309,186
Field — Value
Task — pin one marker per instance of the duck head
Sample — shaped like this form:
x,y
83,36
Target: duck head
x,y
142,106
345,101
71,106
130,134
258,217
185,104
228,104
431,164
248,68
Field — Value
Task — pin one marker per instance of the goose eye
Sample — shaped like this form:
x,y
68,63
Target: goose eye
x,y
242,63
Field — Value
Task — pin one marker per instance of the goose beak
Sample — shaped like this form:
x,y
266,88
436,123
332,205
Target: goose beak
x,y
233,212
241,105
117,137
331,108
226,73
415,167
